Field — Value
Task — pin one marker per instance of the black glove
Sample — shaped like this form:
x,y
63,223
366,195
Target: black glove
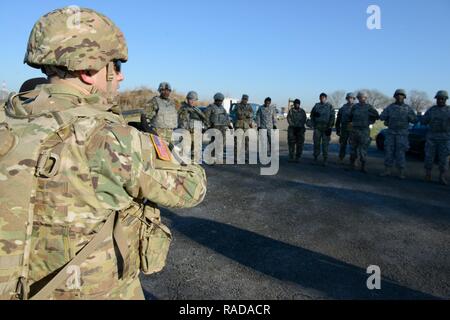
x,y
275,127
328,132
338,133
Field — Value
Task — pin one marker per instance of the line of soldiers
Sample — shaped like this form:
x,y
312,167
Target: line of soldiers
x,y
353,127
160,114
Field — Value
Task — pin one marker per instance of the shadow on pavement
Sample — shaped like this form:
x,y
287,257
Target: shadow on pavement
x,y
331,278
418,207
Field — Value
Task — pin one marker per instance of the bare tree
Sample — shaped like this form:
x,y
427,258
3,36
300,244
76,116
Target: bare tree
x,y
419,100
378,99
337,98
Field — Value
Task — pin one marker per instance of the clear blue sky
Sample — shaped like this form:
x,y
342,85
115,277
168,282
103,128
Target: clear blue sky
x,y
264,48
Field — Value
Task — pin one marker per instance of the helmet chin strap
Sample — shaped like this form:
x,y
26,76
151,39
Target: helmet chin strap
x,y
109,95
110,74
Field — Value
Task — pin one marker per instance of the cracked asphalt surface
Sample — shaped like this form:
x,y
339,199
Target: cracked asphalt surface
x,y
309,233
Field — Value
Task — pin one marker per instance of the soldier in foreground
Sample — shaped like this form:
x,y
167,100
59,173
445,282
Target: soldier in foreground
x,y
266,118
397,118
438,137
160,114
244,121
361,117
322,121
189,116
296,131
74,177
343,127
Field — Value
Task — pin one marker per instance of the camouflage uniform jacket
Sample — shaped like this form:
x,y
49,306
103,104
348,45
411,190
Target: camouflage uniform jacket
x,y
297,118
216,116
187,116
105,167
397,118
244,116
162,113
266,117
323,116
342,120
363,115
438,118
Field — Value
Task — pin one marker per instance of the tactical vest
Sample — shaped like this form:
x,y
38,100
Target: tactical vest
x,y
398,117
219,116
440,120
362,116
167,116
31,147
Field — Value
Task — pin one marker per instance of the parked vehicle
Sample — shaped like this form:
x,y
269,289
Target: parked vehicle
x,y
417,138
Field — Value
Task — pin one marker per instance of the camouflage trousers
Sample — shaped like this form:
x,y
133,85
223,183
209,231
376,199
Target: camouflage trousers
x,y
296,141
395,146
344,140
130,289
360,142
165,134
321,143
223,131
242,143
439,148
196,154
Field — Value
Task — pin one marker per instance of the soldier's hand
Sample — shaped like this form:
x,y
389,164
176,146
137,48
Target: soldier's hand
x,y
275,127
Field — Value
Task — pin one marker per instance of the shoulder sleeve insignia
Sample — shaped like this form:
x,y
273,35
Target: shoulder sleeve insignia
x,y
161,148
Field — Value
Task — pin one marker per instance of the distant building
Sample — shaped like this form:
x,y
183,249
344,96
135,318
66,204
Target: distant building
x,y
4,92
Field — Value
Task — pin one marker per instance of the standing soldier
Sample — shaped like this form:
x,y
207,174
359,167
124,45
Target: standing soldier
x,y
322,121
438,137
343,126
361,117
189,116
217,117
266,119
296,131
244,121
397,118
74,220
160,113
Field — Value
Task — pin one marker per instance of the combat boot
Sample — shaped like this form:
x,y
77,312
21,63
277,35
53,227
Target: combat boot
x,y
401,174
386,173
363,167
352,164
428,176
442,179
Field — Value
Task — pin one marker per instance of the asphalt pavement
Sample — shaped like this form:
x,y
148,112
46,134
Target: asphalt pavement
x,y
310,232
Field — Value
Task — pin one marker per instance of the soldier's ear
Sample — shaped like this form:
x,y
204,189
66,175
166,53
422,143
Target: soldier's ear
x,y
87,77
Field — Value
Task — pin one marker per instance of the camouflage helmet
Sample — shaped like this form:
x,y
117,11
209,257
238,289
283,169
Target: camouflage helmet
x,y
362,94
75,38
400,92
192,95
441,94
164,86
350,95
219,97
